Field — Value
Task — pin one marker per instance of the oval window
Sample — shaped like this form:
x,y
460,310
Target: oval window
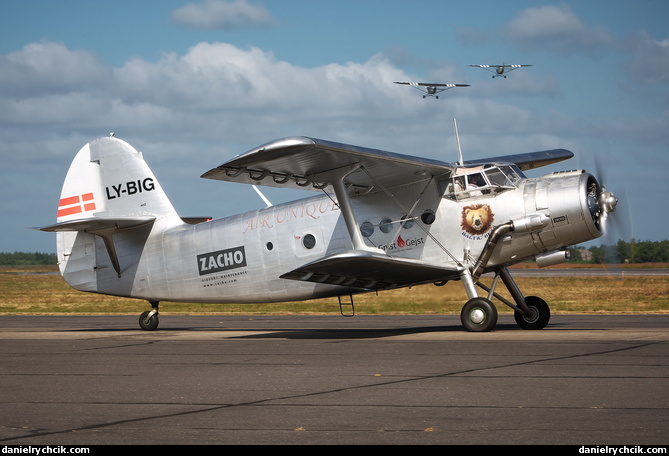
x,y
428,217
309,241
367,229
386,225
407,222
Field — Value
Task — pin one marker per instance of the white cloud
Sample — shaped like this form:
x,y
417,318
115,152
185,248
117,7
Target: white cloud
x,y
222,15
218,92
649,58
47,67
556,29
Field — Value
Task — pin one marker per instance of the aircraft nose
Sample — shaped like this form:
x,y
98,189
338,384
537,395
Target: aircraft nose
x,y
608,201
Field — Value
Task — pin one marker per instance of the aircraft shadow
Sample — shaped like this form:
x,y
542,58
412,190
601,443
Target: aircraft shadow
x,y
360,333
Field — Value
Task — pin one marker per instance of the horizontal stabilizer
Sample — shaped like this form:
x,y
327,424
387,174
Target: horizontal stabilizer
x,y
371,271
105,227
100,223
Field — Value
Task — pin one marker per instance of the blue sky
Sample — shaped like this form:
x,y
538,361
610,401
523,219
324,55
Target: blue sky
x,y
193,83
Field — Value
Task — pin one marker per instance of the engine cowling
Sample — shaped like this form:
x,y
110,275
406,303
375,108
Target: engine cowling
x,y
575,202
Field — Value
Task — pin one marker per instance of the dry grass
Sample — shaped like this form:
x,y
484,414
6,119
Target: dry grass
x,y
49,294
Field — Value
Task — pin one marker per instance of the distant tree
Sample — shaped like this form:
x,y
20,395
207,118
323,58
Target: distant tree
x,y
631,252
27,258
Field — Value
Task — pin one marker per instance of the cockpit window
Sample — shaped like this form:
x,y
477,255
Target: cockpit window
x,y
512,173
498,178
474,181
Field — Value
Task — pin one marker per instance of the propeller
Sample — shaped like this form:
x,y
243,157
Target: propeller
x,y
603,203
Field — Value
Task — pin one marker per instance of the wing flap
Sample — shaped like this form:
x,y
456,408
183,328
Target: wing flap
x,y
370,271
301,162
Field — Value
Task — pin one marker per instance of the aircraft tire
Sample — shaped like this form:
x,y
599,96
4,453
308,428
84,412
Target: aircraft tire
x,y
146,323
478,315
541,314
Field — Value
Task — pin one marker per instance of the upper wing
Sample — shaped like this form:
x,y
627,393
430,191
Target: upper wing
x,y
528,160
301,162
499,66
430,84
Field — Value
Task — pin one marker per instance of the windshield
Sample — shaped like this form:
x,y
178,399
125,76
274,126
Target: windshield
x,y
478,181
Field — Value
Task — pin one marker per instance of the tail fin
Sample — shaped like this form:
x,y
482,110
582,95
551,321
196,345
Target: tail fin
x,y
109,189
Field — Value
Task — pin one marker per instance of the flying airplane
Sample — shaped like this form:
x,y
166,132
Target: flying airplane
x,y
499,70
381,220
431,89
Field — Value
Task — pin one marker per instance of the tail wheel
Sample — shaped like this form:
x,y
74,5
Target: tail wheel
x,y
478,315
539,317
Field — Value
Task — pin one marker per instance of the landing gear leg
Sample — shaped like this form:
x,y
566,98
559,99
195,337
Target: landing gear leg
x,y
148,321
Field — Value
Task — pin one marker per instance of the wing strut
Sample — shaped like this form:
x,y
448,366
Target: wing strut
x,y
420,225
336,178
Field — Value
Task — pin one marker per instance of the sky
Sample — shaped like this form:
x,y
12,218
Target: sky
x,y
193,83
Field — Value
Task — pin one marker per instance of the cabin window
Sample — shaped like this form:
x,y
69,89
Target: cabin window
x,y
367,229
428,217
386,225
309,241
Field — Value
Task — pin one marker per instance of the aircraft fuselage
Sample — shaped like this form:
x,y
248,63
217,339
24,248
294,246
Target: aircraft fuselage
x,y
240,258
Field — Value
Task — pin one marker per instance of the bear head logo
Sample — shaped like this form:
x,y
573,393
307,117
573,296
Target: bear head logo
x,y
477,219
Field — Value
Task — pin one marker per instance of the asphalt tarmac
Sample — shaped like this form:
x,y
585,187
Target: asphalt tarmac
x,y
411,380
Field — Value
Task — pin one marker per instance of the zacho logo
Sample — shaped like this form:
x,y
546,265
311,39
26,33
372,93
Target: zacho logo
x,y
222,260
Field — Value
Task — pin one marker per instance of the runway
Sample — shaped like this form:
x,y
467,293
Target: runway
x,y
412,380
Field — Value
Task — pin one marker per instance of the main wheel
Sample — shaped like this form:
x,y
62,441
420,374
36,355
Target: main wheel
x,y
148,323
478,315
540,314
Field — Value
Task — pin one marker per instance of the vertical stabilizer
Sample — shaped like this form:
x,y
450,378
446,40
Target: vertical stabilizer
x,y
109,193
109,178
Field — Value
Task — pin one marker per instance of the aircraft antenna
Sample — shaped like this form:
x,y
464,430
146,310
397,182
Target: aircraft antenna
x,y
457,139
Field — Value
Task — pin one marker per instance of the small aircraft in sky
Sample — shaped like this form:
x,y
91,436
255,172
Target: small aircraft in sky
x,y
500,70
380,220
431,89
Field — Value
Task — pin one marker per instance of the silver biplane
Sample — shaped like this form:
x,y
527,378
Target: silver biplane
x,y
500,70
381,221
431,89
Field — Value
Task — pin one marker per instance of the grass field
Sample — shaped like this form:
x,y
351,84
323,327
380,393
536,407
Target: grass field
x,y
48,294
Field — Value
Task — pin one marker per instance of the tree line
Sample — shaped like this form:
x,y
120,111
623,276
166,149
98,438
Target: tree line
x,y
623,252
27,258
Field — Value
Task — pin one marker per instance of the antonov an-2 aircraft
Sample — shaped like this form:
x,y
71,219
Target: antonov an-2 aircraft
x,y
382,220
